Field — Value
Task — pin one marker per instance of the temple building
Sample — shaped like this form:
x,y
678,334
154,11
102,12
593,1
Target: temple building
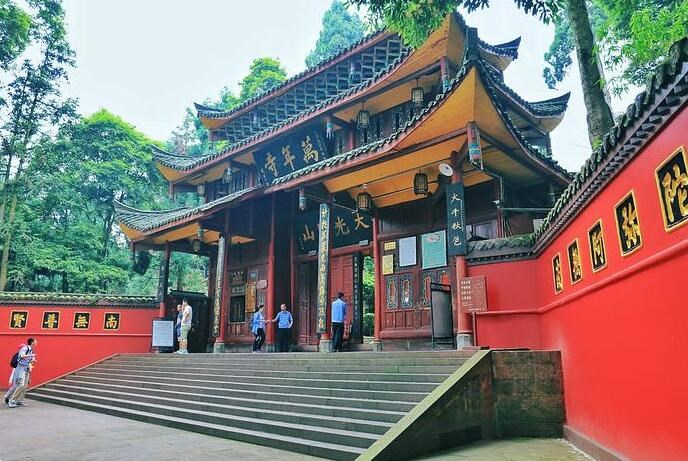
x,y
422,159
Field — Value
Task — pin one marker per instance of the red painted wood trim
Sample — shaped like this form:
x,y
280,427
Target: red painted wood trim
x,y
270,295
379,282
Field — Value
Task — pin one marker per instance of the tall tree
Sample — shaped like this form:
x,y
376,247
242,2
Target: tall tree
x,y
598,113
415,19
264,73
14,32
34,104
340,29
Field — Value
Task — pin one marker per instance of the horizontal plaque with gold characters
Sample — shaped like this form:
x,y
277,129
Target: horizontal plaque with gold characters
x,y
82,320
558,274
628,224
18,319
51,320
598,251
575,265
672,185
111,321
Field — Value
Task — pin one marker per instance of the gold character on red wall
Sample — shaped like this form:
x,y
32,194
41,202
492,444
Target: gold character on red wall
x,y
558,276
628,224
18,319
598,254
672,185
51,320
575,266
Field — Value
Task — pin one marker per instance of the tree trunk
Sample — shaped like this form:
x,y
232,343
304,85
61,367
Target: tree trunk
x,y
599,115
6,246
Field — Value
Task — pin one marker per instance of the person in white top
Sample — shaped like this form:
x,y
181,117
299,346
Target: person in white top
x,y
187,315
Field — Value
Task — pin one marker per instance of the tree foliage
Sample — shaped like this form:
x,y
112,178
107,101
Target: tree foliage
x,y
14,32
415,19
264,74
340,29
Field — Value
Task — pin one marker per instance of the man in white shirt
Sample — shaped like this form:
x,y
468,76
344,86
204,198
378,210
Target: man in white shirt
x,y
187,315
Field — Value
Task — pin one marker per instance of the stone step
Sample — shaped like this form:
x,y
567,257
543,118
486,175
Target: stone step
x,y
208,360
347,404
290,443
296,416
311,356
309,432
360,384
275,402
404,396
424,374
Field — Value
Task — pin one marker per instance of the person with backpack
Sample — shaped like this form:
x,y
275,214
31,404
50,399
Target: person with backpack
x,y
23,364
258,329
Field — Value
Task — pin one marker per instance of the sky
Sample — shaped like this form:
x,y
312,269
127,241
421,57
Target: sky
x,y
148,60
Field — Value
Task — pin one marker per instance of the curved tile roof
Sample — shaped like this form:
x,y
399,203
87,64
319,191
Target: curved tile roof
x,y
454,83
194,162
145,221
80,299
210,112
509,49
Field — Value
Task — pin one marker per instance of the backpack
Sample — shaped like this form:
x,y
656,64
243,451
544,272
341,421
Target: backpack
x,y
15,358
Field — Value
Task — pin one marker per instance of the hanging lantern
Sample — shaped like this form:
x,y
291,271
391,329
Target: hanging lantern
x,y
196,243
200,190
417,96
420,184
363,118
364,201
302,199
227,177
329,129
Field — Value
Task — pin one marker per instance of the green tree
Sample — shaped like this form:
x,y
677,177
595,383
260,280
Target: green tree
x,y
340,29
14,32
33,104
65,226
264,73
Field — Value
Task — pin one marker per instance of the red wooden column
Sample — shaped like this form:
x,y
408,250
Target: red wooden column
x,y
270,294
379,285
463,325
163,283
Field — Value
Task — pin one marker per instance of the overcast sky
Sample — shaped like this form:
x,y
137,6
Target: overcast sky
x,y
147,60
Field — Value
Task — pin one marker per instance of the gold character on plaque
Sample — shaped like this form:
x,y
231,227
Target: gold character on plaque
x,y
288,157
341,227
358,219
630,226
18,319
270,164
309,152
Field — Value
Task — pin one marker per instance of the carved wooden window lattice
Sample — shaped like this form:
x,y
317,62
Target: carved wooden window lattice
x,y
406,285
392,291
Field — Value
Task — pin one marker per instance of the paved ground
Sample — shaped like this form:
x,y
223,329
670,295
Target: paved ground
x,y
46,432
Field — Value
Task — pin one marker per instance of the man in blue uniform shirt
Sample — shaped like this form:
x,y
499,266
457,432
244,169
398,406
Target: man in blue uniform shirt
x,y
338,318
284,322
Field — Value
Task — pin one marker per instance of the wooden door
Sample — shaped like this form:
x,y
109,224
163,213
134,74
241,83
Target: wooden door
x,y
342,279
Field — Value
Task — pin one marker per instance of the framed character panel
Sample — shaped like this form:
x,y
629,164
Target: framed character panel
x,y
392,291
557,274
82,320
18,319
575,265
51,320
598,250
672,186
111,321
628,224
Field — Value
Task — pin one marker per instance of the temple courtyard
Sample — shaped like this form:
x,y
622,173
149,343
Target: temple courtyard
x,y
61,433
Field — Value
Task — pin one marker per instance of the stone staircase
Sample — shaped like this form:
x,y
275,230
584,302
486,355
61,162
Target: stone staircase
x,y
327,405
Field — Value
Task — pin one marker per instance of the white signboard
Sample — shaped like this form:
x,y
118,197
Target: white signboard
x,y
163,333
407,252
